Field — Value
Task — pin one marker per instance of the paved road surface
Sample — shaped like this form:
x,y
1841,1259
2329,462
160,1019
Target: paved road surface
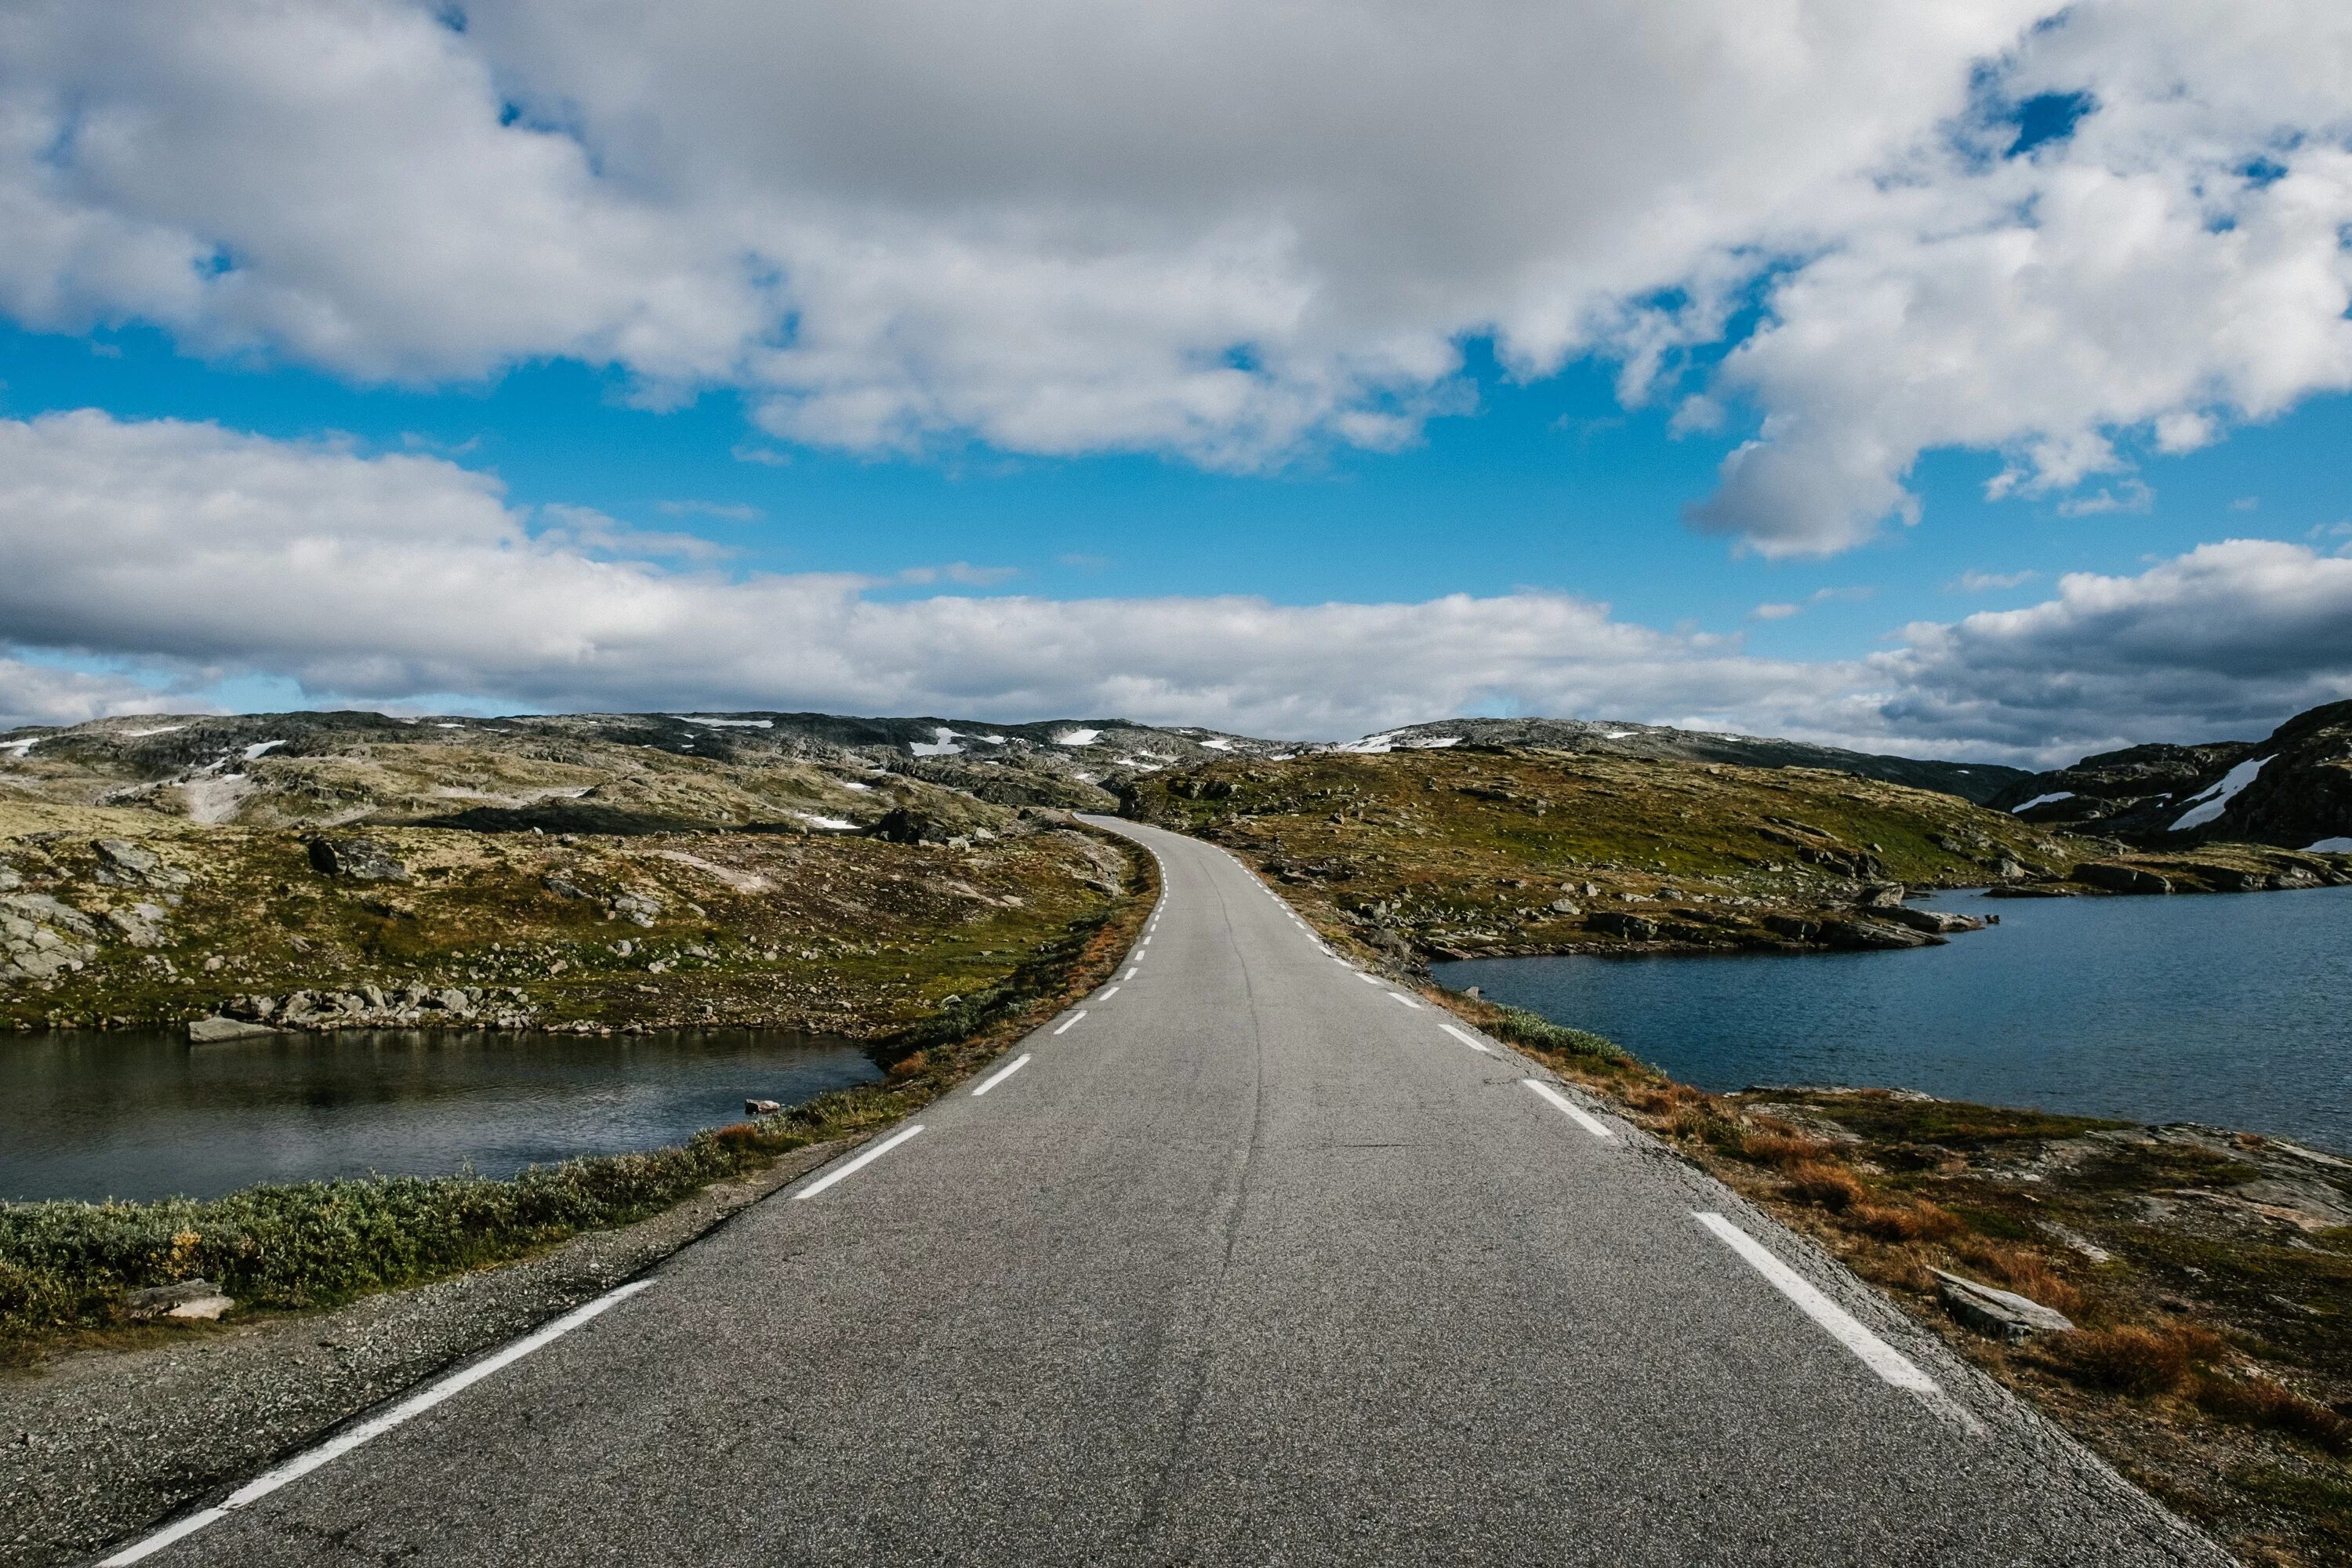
x,y
1250,1261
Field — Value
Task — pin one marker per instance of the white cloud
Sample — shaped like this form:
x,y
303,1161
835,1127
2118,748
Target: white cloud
x,y
1227,230
1974,582
188,554
1777,611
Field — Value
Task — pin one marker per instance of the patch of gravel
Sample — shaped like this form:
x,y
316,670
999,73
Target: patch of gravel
x,y
98,1444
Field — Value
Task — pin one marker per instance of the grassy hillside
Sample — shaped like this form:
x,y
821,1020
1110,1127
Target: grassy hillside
x,y
1456,852
114,915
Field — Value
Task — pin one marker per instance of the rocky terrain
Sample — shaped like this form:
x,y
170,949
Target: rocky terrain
x,y
2292,789
112,916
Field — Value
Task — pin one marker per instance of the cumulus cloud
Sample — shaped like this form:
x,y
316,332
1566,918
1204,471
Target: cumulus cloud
x,y
1230,231
188,553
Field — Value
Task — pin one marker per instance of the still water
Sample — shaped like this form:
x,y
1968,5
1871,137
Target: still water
x,y
2235,1010
143,1114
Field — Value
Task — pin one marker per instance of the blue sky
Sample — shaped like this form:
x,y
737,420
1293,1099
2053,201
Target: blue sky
x,y
424,358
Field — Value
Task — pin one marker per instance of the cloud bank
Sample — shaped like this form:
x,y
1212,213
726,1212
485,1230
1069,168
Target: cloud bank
x,y
1232,232
186,553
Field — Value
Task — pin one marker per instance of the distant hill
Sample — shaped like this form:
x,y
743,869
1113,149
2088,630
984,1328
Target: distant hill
x,y
2292,789
641,772
1977,782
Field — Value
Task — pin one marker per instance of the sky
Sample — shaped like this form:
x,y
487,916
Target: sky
x,y
1953,379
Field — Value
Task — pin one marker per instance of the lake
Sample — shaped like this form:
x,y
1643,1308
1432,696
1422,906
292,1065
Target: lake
x,y
2235,1010
140,1113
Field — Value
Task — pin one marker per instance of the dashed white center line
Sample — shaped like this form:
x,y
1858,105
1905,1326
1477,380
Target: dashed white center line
x,y
1074,1018
1408,1001
1479,1045
1873,1352
334,1448
1128,975
1108,995
852,1168
1569,1107
993,1080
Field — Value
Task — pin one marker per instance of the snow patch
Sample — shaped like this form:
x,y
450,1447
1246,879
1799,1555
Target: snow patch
x,y
1077,737
1432,743
942,744
159,730
2204,807
991,739
1140,764
1218,743
261,747
853,784
1618,734
728,723
2329,847
19,748
215,800
2041,800
830,823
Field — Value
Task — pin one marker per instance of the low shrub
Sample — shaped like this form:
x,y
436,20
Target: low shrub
x,y
2134,1359
1539,1033
1824,1185
2259,1401
2025,1271
1906,1222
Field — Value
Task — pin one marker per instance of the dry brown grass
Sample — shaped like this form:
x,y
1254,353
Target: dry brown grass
x,y
1784,1150
2260,1402
2025,1271
2136,1359
1920,1221
1824,1185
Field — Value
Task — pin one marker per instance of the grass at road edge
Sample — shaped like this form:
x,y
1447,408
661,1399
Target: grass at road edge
x,y
66,1268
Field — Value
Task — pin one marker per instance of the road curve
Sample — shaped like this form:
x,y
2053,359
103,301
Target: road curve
x,y
1247,1259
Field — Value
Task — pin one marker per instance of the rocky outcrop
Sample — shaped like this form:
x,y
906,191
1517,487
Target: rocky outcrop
x,y
359,859
123,864
1997,1313
41,938
2119,878
366,1007
217,1029
2292,789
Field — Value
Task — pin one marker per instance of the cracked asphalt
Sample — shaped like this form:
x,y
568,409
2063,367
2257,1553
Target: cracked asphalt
x,y
1252,1263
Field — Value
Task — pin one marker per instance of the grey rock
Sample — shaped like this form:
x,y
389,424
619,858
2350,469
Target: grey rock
x,y
561,888
638,908
1882,896
1634,928
43,910
2001,1314
1566,907
2119,878
173,1300
123,864
1933,920
762,1107
1873,935
218,1027
140,925
360,859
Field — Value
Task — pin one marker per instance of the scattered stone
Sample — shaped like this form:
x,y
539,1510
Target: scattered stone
x,y
638,908
763,1107
360,859
219,1027
123,864
561,888
140,925
2000,1314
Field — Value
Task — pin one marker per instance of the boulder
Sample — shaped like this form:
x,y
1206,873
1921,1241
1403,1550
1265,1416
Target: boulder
x,y
1873,935
199,1298
360,859
1880,896
2117,878
1794,928
1932,920
219,1026
638,908
1633,928
2001,1314
123,864
762,1107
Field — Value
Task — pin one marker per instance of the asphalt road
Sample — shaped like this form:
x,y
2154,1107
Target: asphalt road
x,y
1249,1261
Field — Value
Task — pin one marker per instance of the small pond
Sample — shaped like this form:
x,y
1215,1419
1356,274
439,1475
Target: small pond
x,y
2235,1010
143,1115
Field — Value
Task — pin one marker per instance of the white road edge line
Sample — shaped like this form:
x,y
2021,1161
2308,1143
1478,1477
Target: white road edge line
x,y
1073,1020
1399,996
1366,978
335,1447
1873,1352
993,1080
852,1168
1574,1111
1479,1045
